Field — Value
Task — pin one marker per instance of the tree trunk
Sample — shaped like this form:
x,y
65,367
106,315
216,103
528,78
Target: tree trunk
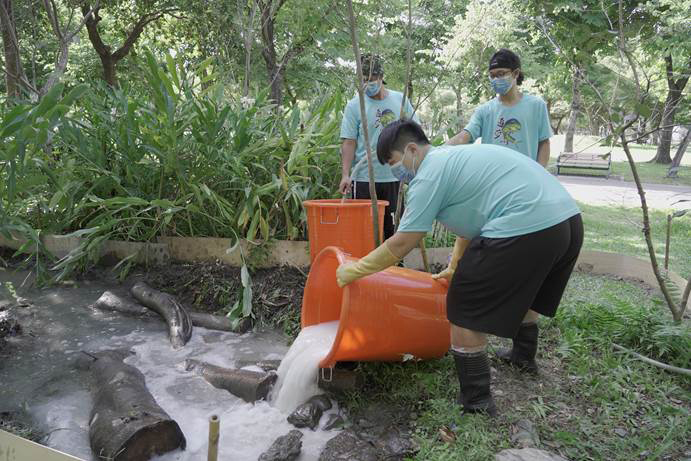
x,y
109,74
277,87
674,168
175,315
126,423
640,131
109,58
665,145
249,385
276,66
247,32
459,105
13,64
575,108
268,16
674,93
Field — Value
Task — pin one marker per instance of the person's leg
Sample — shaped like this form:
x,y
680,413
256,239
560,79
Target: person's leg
x,y
469,351
388,191
525,342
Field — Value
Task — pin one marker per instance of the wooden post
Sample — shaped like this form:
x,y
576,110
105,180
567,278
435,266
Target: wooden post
x,y
214,424
365,131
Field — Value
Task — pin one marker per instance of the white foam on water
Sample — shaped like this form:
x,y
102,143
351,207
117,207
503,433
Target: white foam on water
x,y
246,431
297,374
40,377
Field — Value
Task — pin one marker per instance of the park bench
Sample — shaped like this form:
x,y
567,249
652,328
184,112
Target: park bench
x,y
583,161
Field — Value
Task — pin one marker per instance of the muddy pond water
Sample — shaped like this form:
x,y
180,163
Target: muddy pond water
x,y
38,376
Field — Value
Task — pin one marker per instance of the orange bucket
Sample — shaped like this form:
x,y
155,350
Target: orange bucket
x,y
345,224
382,317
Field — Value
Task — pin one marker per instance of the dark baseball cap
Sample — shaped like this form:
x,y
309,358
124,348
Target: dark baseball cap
x,y
505,59
371,65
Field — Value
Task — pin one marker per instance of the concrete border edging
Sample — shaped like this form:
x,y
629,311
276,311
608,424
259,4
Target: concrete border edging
x,y
192,249
61,245
296,253
592,262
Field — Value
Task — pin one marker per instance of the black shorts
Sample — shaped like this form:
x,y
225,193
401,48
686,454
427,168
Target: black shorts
x,y
499,279
385,191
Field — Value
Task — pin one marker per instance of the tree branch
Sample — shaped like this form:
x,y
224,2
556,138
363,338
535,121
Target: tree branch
x,y
137,31
92,21
664,366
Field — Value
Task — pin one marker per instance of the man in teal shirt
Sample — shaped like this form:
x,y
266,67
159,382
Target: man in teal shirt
x,y
519,235
382,106
516,120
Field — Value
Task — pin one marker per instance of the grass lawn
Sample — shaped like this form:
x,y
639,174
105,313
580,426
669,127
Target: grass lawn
x,y
619,230
650,173
589,402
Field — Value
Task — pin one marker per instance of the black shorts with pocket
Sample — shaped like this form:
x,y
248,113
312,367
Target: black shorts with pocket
x,y
499,279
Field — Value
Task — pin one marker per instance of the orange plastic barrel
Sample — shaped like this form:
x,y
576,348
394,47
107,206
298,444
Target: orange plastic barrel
x,y
346,224
382,317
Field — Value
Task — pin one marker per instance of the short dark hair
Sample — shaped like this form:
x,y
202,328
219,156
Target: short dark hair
x,y
396,135
507,59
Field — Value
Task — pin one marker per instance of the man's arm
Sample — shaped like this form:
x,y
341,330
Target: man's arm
x,y
543,152
347,156
461,138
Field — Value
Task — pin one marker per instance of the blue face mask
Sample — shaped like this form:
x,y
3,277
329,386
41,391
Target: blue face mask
x,y
501,85
372,89
402,173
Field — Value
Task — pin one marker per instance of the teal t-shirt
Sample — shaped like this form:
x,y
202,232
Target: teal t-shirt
x,y
379,114
485,190
520,127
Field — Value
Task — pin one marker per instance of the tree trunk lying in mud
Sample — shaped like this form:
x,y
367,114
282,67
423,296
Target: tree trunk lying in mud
x,y
250,386
111,301
177,318
340,380
218,322
126,423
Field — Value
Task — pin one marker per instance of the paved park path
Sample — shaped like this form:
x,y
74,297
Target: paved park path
x,y
614,192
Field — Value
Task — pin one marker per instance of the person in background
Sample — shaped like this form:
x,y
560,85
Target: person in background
x,y
519,235
513,119
382,106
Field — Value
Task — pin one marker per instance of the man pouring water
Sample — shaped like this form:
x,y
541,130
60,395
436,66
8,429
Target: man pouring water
x,y
519,235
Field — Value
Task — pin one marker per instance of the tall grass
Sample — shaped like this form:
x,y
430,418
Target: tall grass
x,y
186,160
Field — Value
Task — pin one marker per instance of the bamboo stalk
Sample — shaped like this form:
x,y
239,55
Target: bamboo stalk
x,y
423,253
669,231
365,131
214,423
401,195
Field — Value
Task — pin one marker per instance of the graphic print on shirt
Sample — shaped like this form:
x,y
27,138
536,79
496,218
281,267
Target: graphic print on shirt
x,y
505,131
384,117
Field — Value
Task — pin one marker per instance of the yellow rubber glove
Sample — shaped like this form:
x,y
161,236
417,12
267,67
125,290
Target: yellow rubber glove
x,y
379,259
458,249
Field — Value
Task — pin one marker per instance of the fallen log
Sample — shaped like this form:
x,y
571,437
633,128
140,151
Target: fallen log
x,y
112,302
109,301
218,322
175,315
249,385
126,423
